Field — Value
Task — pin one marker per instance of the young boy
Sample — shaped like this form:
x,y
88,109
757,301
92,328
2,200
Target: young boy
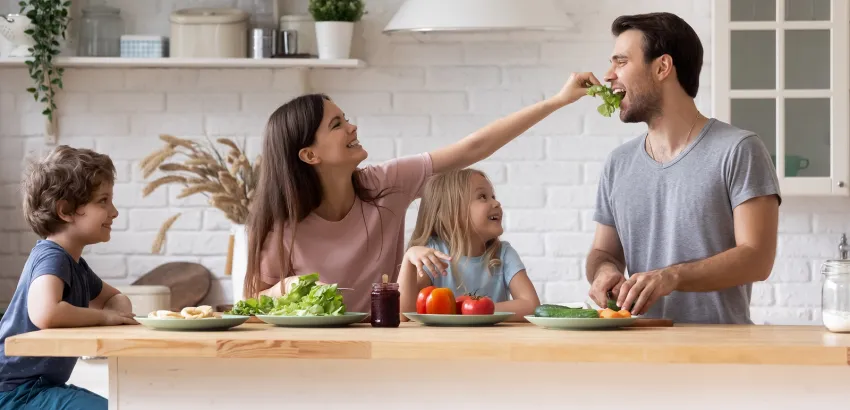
x,y
68,203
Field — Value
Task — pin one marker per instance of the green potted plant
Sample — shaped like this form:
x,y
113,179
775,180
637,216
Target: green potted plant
x,y
335,26
49,21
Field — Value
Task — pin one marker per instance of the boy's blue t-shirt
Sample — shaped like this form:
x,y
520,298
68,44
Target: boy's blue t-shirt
x,y
473,275
81,286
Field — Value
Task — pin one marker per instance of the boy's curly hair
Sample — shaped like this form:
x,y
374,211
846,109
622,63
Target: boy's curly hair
x,y
65,173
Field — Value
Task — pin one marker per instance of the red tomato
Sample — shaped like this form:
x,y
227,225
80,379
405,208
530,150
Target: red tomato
x,y
478,305
460,300
422,298
441,301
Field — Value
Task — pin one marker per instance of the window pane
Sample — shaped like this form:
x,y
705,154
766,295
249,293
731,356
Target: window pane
x,y
807,59
807,142
753,10
753,58
759,116
807,10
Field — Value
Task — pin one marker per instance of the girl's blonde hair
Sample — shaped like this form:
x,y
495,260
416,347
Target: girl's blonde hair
x,y
444,213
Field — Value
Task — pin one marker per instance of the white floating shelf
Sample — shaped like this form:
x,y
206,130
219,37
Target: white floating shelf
x,y
120,62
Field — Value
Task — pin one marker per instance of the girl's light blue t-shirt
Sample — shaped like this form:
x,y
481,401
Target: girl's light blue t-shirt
x,y
473,273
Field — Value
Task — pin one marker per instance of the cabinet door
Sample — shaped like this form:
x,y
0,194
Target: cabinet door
x,y
781,70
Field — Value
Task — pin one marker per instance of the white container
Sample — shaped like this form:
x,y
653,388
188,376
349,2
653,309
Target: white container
x,y
209,33
240,260
334,39
305,26
147,298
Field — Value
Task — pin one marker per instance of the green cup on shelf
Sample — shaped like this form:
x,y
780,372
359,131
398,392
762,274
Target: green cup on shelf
x,y
793,164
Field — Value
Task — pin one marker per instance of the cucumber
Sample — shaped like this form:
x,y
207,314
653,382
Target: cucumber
x,y
564,311
612,304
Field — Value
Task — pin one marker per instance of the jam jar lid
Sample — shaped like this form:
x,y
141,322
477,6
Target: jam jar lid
x,y
836,267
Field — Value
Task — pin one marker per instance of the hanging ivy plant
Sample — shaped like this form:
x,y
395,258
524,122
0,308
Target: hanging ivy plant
x,y
49,21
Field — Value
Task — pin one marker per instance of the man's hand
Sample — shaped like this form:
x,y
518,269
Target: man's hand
x,y
642,290
606,280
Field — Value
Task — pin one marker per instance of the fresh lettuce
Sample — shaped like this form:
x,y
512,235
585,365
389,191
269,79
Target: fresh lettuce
x,y
252,307
306,298
611,100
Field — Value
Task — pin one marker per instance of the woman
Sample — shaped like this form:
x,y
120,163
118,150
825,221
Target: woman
x,y
315,211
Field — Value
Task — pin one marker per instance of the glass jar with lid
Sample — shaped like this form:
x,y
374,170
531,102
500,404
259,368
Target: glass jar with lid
x,y
100,32
835,295
386,301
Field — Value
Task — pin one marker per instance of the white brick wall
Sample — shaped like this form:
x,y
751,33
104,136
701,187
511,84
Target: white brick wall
x,y
418,93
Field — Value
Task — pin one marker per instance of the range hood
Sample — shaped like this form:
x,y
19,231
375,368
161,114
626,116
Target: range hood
x,y
478,15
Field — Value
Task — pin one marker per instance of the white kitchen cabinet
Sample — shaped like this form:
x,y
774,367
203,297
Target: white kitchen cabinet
x,y
781,68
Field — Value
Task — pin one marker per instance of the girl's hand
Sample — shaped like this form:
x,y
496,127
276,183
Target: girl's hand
x,y
421,256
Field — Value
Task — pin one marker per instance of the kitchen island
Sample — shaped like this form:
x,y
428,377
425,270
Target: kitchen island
x,y
500,367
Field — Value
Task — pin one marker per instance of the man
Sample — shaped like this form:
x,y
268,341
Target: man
x,y
689,209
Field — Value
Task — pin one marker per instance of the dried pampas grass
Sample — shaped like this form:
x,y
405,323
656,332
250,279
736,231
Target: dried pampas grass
x,y
228,181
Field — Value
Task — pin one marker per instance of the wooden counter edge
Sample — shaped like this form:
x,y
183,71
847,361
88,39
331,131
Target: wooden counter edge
x,y
404,350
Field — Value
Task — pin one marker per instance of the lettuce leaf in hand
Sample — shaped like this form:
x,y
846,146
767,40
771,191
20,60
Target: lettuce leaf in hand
x,y
611,100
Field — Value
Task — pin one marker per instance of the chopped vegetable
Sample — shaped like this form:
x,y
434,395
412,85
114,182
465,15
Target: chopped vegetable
x,y
611,100
306,298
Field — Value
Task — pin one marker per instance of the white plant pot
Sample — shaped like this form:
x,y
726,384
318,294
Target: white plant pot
x,y
333,39
240,260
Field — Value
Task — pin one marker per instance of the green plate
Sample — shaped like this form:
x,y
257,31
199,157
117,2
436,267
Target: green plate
x,y
459,320
579,323
314,321
223,323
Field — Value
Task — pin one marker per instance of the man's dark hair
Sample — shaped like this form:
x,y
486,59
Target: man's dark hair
x,y
667,33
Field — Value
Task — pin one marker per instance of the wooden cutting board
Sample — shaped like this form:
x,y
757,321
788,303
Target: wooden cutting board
x,y
189,282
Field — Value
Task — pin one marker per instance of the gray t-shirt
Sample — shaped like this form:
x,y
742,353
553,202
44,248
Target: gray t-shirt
x,y
681,211
81,286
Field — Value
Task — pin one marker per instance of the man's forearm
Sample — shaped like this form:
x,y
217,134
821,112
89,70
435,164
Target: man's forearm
x,y
737,266
598,261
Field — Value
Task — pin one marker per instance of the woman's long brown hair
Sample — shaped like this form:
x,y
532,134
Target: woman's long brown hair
x,y
288,188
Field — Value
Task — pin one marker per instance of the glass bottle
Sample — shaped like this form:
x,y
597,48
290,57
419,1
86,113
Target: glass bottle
x,y
386,304
835,295
100,32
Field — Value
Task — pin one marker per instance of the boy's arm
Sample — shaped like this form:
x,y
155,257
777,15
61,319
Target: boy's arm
x,y
525,298
47,310
112,299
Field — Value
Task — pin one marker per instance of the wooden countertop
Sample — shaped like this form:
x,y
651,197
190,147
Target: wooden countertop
x,y
788,345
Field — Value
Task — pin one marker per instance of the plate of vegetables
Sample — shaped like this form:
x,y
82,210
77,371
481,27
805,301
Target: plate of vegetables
x,y
439,307
307,304
576,318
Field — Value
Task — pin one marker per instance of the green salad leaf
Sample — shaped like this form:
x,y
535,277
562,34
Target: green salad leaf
x,y
252,307
306,298
610,99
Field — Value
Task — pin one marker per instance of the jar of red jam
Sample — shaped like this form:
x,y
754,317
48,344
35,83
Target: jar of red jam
x,y
386,304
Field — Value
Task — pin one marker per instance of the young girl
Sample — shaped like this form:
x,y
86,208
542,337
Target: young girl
x,y
316,210
456,245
